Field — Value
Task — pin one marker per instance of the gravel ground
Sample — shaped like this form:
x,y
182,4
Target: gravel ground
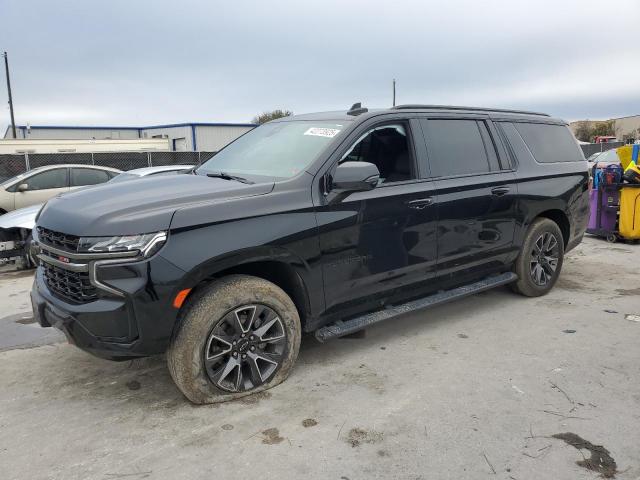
x,y
473,389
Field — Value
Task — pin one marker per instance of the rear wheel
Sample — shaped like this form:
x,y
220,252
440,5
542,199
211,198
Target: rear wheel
x,y
241,335
540,261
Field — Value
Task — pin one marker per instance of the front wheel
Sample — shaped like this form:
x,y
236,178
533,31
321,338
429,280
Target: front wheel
x,y
540,261
239,336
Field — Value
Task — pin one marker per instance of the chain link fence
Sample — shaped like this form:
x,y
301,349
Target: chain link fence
x,y
12,165
592,148
15,164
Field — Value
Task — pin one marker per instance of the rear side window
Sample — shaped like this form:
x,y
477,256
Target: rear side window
x,y
455,147
549,143
87,176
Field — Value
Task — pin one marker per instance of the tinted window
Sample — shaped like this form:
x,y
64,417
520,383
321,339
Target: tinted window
x,y
516,143
489,146
387,147
550,143
50,179
455,147
87,176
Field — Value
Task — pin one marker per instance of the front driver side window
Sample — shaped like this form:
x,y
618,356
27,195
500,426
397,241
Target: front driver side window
x,y
387,147
56,178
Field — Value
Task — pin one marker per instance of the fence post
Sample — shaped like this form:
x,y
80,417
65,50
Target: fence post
x,y
26,162
149,159
93,162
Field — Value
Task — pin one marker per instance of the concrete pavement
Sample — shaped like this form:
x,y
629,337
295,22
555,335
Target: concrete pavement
x,y
473,389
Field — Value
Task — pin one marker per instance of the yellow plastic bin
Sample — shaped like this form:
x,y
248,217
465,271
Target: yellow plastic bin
x,y
629,221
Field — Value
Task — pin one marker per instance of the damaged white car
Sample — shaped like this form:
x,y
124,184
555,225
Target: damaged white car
x,y
16,226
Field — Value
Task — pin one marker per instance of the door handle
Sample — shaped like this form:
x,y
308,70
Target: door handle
x,y
420,203
499,191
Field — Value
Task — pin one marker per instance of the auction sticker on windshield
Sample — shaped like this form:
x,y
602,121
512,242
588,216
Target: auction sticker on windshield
x,y
322,132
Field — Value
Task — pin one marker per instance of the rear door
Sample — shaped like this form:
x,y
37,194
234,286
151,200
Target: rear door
x,y
476,195
42,186
82,177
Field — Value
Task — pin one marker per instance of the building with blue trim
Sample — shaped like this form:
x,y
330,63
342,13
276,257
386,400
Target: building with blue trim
x,y
206,137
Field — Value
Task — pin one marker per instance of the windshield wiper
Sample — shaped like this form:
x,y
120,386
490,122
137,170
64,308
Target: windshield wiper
x,y
226,176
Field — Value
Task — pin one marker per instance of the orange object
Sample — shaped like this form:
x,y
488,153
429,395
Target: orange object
x,y
181,297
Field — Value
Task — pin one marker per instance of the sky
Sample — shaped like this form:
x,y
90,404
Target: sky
x,y
141,62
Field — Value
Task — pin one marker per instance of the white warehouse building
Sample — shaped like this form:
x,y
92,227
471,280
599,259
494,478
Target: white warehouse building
x,y
205,137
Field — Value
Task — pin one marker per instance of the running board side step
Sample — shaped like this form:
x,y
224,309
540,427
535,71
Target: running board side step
x,y
341,328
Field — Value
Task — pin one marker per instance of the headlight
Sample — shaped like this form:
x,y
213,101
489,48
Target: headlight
x,y
146,244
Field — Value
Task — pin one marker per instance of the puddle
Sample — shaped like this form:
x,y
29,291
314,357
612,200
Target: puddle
x,y
600,460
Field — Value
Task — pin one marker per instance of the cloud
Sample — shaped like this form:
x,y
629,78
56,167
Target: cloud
x,y
143,62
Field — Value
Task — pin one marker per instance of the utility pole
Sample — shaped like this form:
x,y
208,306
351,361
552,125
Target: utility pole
x,y
394,91
6,68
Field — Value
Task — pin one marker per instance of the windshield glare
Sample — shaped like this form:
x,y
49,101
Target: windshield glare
x,y
280,149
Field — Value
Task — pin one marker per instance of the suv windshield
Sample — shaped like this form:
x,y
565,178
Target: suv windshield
x,y
280,149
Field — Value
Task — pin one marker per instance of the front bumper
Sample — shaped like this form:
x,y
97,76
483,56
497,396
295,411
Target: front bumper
x,y
138,322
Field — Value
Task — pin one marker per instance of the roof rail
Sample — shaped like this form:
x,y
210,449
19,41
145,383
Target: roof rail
x,y
477,109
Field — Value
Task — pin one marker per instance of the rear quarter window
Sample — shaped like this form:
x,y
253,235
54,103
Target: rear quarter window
x,y
456,147
549,143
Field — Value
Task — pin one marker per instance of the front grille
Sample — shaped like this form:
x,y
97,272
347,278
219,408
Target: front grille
x,y
58,240
74,286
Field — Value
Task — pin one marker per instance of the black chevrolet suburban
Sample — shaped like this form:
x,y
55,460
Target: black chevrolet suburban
x,y
323,223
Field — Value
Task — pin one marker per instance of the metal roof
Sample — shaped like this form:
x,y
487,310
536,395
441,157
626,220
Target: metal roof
x,y
151,127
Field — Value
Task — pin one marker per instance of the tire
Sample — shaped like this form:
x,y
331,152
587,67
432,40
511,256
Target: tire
x,y
534,281
30,260
225,322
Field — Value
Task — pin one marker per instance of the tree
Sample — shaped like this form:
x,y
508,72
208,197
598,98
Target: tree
x,y
583,131
603,129
265,117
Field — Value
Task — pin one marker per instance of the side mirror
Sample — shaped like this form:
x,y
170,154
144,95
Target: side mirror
x,y
23,187
355,177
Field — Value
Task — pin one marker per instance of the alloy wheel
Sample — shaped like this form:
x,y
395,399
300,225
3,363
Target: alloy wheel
x,y
544,259
245,348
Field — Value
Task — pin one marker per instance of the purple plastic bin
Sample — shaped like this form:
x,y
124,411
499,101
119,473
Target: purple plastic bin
x,y
608,209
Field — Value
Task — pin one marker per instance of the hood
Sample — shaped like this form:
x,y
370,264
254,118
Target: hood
x,y
138,206
21,218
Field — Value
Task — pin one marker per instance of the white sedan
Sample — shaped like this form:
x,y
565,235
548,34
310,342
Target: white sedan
x,y
40,184
16,226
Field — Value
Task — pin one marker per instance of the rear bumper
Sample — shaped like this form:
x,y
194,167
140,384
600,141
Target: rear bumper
x,y
138,323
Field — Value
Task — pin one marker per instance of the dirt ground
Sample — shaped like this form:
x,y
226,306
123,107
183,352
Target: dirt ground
x,y
493,386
